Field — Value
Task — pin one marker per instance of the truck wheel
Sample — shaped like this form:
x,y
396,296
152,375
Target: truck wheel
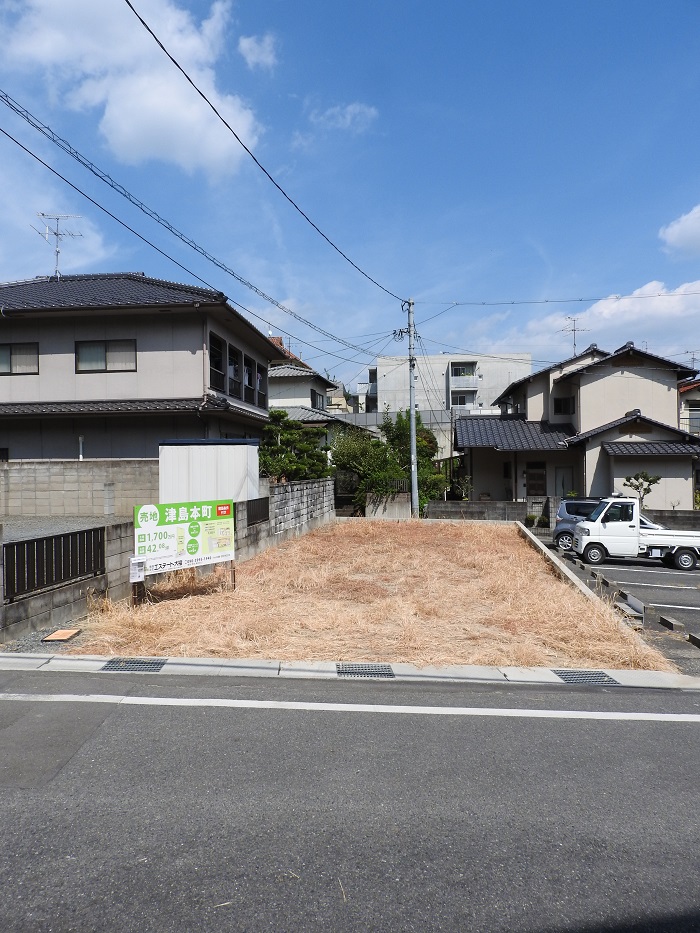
x,y
565,541
594,554
685,559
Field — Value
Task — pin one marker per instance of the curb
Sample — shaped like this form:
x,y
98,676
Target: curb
x,y
331,670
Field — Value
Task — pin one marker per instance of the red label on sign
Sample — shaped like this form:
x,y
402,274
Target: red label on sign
x,y
223,510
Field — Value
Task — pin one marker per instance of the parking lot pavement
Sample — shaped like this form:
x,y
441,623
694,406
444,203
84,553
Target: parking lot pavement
x,y
671,595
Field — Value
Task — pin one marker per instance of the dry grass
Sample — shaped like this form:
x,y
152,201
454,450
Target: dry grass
x,y
418,592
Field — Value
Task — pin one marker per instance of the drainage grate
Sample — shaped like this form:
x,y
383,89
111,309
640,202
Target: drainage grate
x,y
586,677
134,664
364,670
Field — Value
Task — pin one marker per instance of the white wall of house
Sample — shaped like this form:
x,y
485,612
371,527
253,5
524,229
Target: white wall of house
x,y
169,355
435,382
286,392
675,490
607,393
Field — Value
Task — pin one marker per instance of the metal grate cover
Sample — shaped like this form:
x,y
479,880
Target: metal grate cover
x,y
586,677
364,670
134,664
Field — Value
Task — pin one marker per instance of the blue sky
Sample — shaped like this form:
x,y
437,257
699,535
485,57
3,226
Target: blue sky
x,y
487,159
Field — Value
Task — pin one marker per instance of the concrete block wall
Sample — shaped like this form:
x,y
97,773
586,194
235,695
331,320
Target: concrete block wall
x,y
54,488
294,509
477,511
67,604
300,506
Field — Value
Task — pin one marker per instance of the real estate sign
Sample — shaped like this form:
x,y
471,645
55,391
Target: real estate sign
x,y
175,535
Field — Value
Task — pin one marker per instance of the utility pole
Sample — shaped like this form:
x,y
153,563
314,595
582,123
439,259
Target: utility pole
x,y
412,415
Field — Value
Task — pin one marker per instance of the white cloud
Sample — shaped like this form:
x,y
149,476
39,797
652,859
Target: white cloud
x,y
654,317
97,56
258,52
683,234
355,118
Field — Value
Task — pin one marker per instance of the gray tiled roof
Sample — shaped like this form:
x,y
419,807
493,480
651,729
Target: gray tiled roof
x,y
309,415
628,419
651,449
103,290
128,406
618,356
547,369
106,406
294,371
510,433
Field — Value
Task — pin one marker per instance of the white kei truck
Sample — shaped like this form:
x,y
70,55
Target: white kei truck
x,y
613,530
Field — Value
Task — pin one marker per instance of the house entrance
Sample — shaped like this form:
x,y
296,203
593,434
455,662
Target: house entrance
x,y
563,481
536,478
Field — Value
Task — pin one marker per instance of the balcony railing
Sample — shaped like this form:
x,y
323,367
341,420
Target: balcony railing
x,y
690,424
464,382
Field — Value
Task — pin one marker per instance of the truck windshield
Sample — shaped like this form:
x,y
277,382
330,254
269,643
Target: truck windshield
x,y
598,511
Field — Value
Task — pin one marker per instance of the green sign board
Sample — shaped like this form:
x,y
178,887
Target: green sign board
x,y
176,535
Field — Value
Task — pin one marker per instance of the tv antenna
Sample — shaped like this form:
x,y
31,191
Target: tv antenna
x,y
56,234
573,329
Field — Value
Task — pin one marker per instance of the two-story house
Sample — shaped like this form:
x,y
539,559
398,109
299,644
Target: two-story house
x,y
109,365
582,426
303,394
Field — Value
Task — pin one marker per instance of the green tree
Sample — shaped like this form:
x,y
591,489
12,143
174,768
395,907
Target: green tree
x,y
641,483
291,450
379,464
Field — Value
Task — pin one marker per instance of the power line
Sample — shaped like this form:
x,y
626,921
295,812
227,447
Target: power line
x,y
171,258
120,189
259,165
546,301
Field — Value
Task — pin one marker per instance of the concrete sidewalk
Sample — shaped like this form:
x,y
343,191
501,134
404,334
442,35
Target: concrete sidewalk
x,y
331,670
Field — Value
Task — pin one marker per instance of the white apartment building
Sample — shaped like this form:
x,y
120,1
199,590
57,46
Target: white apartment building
x,y
447,386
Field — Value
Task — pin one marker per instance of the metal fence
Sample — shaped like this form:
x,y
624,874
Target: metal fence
x,y
40,563
258,510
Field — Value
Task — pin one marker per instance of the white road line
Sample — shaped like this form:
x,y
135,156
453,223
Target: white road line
x,y
667,606
658,586
353,707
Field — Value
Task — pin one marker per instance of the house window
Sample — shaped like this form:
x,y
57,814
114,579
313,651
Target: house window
x,y
318,401
19,359
463,399
462,369
565,406
262,386
217,349
234,371
105,356
249,380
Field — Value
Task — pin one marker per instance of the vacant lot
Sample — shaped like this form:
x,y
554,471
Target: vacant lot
x,y
417,592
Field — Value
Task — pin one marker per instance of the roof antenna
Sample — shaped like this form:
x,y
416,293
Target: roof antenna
x,y
57,234
573,329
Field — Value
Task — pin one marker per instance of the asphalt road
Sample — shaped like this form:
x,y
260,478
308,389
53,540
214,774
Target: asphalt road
x,y
672,593
132,803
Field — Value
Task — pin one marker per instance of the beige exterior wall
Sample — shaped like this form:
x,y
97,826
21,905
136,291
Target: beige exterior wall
x,y
675,489
607,394
169,358
287,392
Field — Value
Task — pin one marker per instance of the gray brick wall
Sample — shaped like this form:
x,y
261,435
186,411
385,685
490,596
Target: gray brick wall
x,y
54,488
